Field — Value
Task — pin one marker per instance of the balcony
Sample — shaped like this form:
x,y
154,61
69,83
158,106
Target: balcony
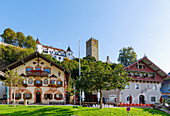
x,y
37,73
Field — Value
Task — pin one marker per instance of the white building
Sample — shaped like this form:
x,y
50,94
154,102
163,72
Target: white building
x,y
57,53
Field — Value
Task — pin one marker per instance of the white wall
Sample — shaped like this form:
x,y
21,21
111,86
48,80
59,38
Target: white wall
x,y
2,90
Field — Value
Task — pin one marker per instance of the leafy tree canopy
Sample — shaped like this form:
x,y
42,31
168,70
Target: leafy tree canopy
x,y
18,39
99,76
12,53
127,56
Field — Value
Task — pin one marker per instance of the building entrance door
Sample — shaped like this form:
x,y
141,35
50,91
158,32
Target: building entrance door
x,y
142,99
38,97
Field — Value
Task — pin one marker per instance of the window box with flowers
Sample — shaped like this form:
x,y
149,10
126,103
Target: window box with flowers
x,y
54,85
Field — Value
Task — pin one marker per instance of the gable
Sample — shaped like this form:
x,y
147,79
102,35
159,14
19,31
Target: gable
x,y
144,67
29,58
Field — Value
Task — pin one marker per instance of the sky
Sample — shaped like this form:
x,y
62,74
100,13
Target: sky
x,y
142,24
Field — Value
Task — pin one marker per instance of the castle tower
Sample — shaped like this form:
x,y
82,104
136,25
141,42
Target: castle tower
x,y
92,48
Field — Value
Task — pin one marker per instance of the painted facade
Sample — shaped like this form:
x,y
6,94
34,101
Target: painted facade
x,y
146,83
45,81
57,53
144,87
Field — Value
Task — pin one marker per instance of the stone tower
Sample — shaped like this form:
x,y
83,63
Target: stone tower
x,y
92,48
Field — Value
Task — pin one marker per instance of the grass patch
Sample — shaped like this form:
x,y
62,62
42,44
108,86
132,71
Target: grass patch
x,y
76,111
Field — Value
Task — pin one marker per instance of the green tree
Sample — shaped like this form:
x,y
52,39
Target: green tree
x,y
12,53
90,58
9,36
18,39
127,56
99,76
13,80
30,42
21,39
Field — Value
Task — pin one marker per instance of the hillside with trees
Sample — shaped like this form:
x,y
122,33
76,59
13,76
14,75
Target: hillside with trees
x,y
18,39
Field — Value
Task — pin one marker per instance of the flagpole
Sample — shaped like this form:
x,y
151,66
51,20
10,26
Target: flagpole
x,y
79,71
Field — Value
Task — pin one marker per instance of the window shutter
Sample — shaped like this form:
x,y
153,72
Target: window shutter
x,y
24,96
13,96
30,96
55,96
51,96
45,97
61,83
19,96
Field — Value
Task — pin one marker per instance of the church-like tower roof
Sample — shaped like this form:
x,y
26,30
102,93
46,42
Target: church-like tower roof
x,y
69,49
37,41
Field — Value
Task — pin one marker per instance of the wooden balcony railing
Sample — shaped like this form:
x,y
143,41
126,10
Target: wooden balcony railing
x,y
37,73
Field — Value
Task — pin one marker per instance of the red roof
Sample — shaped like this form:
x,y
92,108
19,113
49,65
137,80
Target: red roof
x,y
53,48
37,41
151,68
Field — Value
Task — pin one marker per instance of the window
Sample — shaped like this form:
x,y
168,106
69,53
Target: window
x,y
128,98
38,82
45,81
59,82
17,95
112,98
27,95
140,66
153,99
28,69
48,96
38,68
137,86
127,86
30,81
47,70
155,87
58,96
53,82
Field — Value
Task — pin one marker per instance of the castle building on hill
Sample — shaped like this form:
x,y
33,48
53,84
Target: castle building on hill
x,y
92,48
57,53
44,81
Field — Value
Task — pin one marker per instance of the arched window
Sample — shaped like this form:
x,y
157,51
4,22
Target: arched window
x,y
30,81
45,81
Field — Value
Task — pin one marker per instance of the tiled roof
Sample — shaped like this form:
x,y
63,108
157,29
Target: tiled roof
x,y
53,48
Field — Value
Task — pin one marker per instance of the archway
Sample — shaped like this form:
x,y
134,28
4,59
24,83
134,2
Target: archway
x,y
38,97
142,99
